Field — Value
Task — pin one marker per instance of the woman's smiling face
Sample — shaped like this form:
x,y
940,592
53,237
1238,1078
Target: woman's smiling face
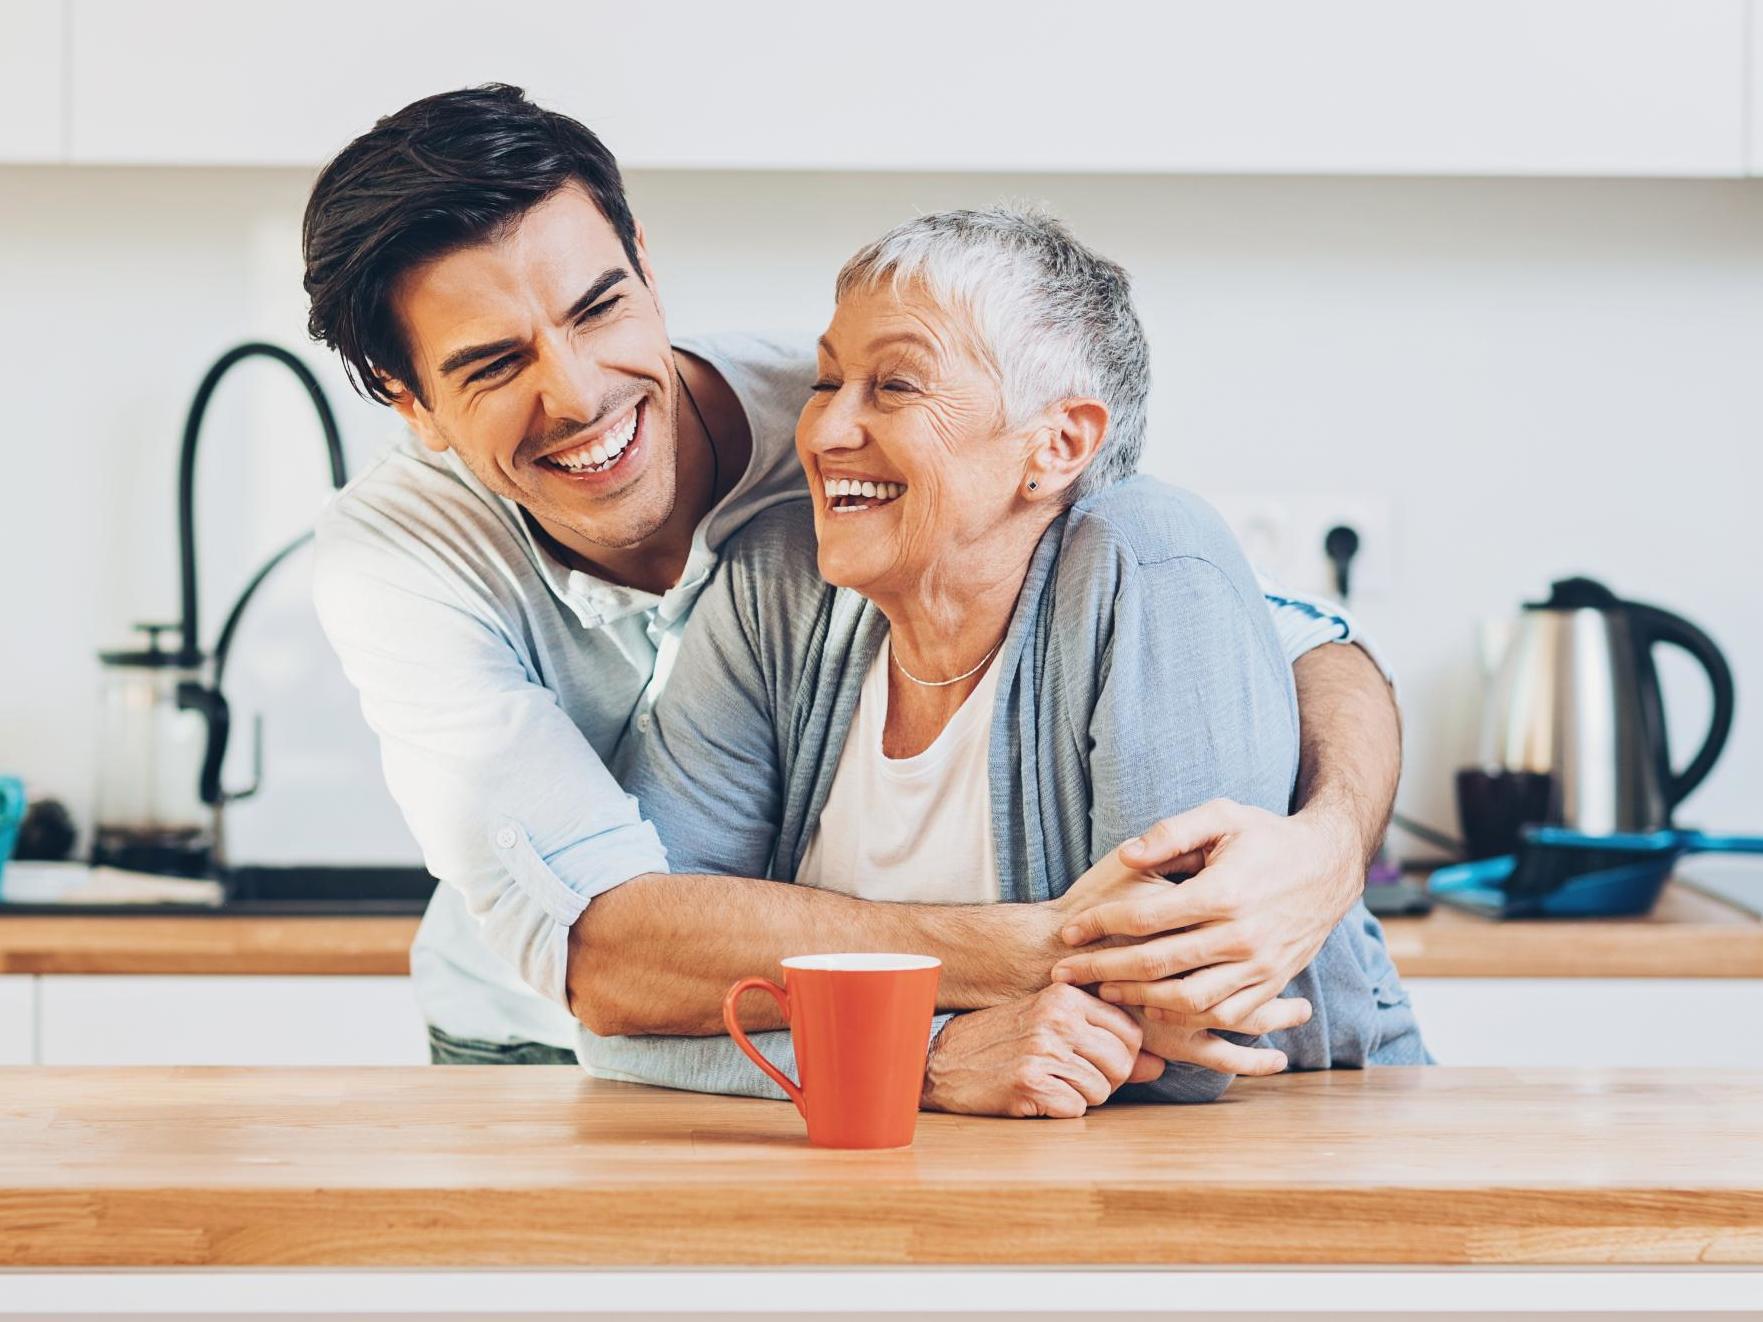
x,y
905,446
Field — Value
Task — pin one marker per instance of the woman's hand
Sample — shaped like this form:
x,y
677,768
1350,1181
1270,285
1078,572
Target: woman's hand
x,y
1171,1040
1216,950
1056,1053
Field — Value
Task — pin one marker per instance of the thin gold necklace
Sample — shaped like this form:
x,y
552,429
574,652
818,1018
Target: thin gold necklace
x,y
944,683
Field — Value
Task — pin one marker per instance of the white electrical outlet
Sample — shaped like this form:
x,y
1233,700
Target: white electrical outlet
x,y
1282,533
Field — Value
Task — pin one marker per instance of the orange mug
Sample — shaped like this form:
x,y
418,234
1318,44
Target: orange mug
x,y
861,1026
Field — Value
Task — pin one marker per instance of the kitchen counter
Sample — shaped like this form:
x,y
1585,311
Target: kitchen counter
x,y
431,1167
205,943
1688,935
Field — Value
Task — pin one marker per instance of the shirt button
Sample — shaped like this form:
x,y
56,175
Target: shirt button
x,y
506,837
644,722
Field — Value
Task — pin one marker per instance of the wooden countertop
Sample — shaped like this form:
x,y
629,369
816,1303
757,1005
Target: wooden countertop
x,y
547,1167
204,943
1689,935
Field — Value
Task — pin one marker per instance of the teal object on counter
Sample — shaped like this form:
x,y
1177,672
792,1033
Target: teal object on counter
x,y
11,814
1562,873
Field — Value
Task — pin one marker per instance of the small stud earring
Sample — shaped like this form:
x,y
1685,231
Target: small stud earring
x,y
1033,485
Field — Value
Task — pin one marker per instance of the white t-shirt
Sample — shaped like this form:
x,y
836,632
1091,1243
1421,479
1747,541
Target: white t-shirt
x,y
911,829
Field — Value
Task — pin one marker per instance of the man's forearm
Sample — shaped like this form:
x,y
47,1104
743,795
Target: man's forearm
x,y
1349,743
656,954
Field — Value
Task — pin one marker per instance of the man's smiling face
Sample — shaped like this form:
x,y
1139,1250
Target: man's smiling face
x,y
544,364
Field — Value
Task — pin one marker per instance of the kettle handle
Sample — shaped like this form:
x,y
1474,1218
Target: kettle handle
x,y
1652,626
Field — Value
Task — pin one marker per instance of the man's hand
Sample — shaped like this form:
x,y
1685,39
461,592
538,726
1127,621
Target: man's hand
x,y
1222,945
1055,1053
1112,883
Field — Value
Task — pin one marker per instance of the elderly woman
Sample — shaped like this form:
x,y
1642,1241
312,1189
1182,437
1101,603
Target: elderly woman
x,y
1009,656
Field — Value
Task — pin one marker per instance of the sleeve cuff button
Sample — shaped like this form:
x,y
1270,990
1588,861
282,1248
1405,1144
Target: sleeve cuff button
x,y
506,837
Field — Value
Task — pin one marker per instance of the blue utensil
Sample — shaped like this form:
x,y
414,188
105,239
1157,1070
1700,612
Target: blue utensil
x,y
1562,873
11,814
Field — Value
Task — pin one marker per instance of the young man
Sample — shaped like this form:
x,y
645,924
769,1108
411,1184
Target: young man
x,y
507,587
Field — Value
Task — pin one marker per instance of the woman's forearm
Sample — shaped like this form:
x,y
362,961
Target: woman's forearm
x,y
657,954
1349,746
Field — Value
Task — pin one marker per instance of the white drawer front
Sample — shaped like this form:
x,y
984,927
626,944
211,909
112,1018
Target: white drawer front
x,y
1614,1022
18,1018
91,1020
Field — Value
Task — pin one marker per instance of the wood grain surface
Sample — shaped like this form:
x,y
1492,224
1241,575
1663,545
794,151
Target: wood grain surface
x,y
1689,935
205,943
545,1166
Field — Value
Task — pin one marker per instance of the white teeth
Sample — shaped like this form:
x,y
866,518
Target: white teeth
x,y
607,448
620,438
881,492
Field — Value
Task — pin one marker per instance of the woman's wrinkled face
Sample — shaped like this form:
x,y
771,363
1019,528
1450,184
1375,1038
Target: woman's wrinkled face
x,y
904,444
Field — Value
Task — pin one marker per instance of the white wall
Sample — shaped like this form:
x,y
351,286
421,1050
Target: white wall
x,y
1535,377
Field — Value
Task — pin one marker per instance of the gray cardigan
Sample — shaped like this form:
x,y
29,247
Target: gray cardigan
x,y
1141,677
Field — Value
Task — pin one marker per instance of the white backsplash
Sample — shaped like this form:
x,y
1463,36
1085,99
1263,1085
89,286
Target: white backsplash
x,y
1528,378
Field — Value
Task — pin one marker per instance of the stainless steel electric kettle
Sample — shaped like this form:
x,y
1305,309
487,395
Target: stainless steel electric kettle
x,y
1575,719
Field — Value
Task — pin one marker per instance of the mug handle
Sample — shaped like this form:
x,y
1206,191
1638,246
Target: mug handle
x,y
733,1025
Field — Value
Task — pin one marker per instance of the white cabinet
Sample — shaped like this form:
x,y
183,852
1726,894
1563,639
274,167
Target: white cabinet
x,y
1625,87
1754,102
1595,1022
102,1020
32,80
105,1020
18,1019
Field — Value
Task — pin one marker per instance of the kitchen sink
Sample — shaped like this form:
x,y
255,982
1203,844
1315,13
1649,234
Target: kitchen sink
x,y
307,889
328,890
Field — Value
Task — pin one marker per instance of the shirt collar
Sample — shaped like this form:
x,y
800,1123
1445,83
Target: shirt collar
x,y
593,600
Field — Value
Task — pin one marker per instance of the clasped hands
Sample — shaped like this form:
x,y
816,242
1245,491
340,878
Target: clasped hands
x,y
1147,971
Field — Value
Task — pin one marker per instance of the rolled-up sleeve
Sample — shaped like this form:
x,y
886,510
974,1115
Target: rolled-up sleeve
x,y
506,798
1304,622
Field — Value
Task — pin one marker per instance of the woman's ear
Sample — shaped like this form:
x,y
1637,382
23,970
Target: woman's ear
x,y
1064,447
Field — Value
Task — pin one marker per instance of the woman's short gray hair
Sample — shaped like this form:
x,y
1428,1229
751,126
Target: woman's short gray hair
x,y
1054,318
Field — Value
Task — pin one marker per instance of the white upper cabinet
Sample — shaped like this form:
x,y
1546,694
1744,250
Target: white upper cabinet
x,y
1754,103
32,67
1617,87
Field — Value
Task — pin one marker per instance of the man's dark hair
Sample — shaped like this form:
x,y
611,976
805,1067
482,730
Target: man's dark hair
x,y
443,173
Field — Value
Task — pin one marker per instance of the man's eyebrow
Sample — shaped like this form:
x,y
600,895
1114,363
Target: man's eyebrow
x,y
611,276
472,353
